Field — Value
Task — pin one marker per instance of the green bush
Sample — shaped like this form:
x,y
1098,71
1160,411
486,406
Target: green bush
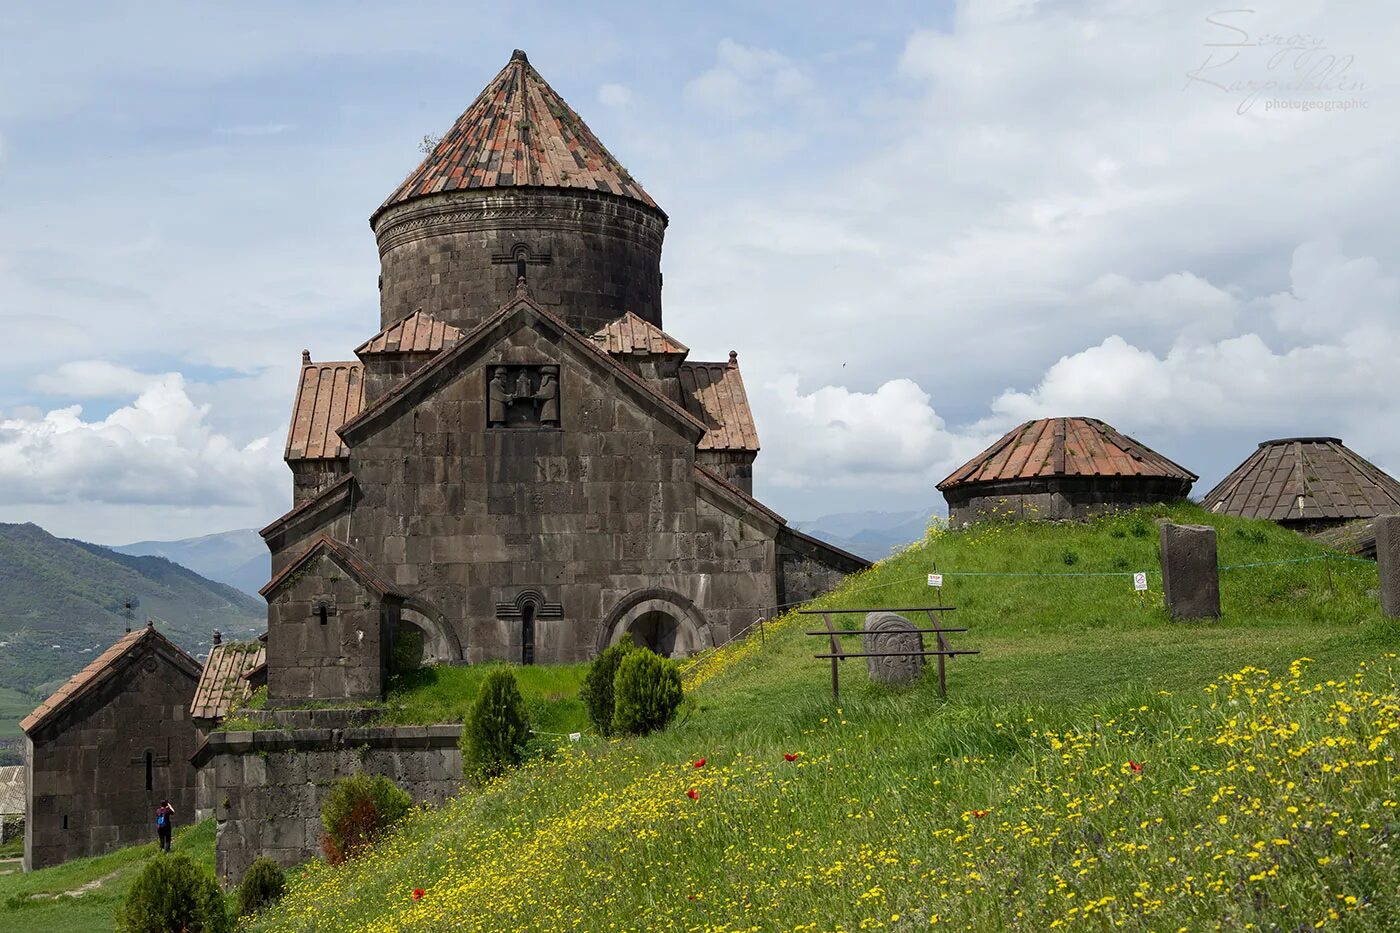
x,y
356,811
262,885
172,893
497,727
646,693
408,649
597,692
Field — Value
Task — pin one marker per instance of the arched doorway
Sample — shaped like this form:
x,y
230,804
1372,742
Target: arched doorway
x,y
424,624
662,620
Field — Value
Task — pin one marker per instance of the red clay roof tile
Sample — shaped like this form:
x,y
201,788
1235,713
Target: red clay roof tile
x,y
224,680
630,334
1064,447
714,393
420,332
518,133
328,395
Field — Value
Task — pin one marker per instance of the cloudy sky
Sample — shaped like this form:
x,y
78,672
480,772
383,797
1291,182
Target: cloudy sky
x,y
918,223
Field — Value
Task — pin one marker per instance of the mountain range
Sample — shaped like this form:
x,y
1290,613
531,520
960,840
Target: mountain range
x,y
62,602
238,558
872,535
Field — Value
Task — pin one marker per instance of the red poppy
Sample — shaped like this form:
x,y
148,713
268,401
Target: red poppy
x,y
418,894
693,794
790,756
980,813
1136,767
700,762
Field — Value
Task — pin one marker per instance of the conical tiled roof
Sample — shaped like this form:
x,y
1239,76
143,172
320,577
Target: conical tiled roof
x,y
1305,479
518,133
1065,447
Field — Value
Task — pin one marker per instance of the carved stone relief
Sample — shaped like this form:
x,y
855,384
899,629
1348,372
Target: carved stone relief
x,y
522,396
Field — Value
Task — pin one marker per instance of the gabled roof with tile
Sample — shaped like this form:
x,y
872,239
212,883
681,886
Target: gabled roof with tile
x,y
12,790
714,393
103,667
630,334
224,681
749,503
328,395
518,133
343,554
1056,447
1305,479
420,332
446,365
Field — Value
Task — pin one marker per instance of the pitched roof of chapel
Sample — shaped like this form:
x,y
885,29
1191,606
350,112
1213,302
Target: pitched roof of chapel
x,y
444,367
351,559
1305,478
518,133
631,334
1056,447
420,332
328,395
714,393
224,680
104,666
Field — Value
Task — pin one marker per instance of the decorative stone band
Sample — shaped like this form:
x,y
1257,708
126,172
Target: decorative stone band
x,y
468,212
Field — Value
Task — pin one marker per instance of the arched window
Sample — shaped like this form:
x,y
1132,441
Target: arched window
x,y
322,611
527,631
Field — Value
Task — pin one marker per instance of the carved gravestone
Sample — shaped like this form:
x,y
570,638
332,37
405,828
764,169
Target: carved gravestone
x,y
886,631
522,396
1388,563
1190,575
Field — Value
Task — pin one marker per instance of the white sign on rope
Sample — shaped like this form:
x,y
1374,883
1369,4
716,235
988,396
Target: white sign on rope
x,y
1140,582
935,579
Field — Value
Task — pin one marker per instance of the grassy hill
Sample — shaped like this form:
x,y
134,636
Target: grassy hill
x,y
80,896
61,605
1097,765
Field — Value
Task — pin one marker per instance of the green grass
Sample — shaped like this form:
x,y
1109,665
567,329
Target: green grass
x,y
92,911
14,706
445,694
874,820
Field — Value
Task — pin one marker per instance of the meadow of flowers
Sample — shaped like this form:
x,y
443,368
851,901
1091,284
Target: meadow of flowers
x,y
1089,771
1266,800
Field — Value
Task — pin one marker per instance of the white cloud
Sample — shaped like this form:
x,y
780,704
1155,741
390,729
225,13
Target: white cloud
x,y
746,80
156,451
836,437
616,96
93,379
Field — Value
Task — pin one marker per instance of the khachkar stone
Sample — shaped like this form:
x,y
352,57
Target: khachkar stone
x,y
1190,575
888,632
1388,562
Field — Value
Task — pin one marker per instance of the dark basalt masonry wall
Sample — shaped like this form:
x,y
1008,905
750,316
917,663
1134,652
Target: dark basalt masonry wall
x,y
1058,498
265,788
588,256
87,770
468,518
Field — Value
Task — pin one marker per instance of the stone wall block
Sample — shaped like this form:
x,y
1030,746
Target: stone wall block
x,y
1190,574
1388,563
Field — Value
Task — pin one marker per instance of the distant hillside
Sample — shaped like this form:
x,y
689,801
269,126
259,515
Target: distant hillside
x,y
872,535
238,558
61,604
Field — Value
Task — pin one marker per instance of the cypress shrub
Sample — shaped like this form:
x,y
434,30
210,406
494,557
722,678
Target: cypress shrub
x,y
173,893
497,728
356,811
597,692
646,693
262,886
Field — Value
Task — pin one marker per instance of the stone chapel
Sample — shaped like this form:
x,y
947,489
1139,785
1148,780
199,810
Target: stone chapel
x,y
521,464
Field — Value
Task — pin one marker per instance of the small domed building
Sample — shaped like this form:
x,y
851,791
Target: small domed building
x,y
1306,483
1061,468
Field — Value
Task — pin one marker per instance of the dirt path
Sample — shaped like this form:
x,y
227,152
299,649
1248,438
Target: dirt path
x,y
79,891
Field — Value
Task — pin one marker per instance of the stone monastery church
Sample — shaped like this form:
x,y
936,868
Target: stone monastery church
x,y
521,464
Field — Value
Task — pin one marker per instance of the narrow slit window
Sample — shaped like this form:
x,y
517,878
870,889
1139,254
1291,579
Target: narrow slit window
x,y
322,611
150,771
65,821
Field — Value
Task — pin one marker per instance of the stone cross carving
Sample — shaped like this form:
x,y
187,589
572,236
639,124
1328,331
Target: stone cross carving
x,y
522,397
886,631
